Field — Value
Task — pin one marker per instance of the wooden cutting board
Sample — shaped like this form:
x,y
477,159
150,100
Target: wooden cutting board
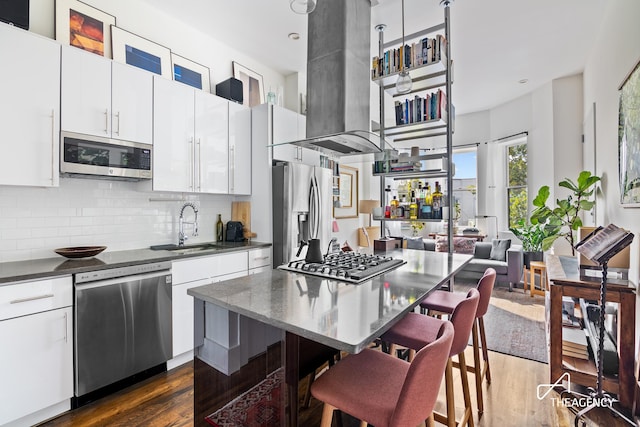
x,y
241,211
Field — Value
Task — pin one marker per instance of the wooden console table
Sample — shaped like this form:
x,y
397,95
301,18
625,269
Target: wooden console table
x,y
565,279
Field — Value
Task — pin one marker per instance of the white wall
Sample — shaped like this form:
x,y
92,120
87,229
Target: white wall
x,y
142,19
613,56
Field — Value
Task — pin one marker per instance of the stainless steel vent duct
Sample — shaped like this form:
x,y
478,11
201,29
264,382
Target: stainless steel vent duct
x,y
338,79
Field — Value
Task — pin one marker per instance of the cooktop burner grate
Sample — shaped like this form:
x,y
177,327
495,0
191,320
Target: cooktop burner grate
x,y
346,266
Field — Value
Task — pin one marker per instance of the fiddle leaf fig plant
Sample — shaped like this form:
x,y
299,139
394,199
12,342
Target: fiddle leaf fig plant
x,y
532,235
565,217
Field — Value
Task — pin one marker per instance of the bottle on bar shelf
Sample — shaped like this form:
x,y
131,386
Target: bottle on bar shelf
x,y
436,205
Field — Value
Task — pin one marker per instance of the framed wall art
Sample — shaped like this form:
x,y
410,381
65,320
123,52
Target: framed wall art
x,y
629,138
129,48
252,85
190,73
348,185
84,26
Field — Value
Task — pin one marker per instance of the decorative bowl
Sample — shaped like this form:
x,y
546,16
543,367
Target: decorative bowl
x,y
80,251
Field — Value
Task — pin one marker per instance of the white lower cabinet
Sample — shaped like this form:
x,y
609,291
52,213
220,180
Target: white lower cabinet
x,y
189,273
36,361
259,260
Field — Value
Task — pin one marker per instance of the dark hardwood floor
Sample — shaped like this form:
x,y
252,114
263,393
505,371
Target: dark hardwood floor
x,y
167,400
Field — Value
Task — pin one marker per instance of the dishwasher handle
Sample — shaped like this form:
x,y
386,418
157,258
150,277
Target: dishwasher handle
x,y
124,279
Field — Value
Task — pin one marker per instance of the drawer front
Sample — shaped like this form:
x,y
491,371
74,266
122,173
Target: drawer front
x,y
259,257
192,269
189,270
231,263
20,299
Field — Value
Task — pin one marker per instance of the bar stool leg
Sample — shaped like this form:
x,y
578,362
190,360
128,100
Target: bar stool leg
x,y
485,351
450,419
468,414
477,367
327,415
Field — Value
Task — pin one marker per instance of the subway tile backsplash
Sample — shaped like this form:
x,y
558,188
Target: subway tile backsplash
x,y
86,212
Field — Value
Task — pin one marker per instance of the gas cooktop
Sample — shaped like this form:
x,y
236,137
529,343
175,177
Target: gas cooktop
x,y
346,266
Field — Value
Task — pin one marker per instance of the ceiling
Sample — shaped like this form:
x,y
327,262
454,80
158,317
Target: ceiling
x,y
495,43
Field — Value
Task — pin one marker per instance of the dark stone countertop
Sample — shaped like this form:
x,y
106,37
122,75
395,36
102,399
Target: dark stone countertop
x,y
17,271
342,315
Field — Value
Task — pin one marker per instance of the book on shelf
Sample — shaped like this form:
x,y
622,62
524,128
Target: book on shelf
x,y
603,243
426,51
431,106
574,343
573,338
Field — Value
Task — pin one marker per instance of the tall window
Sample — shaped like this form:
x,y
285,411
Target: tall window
x,y
465,185
517,198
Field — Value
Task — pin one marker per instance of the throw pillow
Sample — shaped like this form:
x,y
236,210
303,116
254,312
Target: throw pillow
x,y
415,243
461,245
442,245
499,249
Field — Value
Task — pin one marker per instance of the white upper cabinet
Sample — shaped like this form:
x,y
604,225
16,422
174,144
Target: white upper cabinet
x,y
191,139
286,126
131,103
284,129
173,122
240,162
30,110
212,143
105,98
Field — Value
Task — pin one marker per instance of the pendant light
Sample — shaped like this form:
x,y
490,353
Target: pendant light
x,y
404,83
302,7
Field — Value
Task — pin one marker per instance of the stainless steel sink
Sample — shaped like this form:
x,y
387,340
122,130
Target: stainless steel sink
x,y
188,249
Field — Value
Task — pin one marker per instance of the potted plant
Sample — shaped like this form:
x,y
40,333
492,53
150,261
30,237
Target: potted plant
x,y
532,236
565,217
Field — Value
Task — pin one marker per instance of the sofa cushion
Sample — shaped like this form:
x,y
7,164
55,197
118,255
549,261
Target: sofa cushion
x,y
480,265
415,243
499,249
482,250
461,245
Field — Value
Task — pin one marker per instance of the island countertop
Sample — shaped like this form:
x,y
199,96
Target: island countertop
x,y
341,315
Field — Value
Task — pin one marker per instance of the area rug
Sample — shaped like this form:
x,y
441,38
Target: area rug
x,y
514,323
260,406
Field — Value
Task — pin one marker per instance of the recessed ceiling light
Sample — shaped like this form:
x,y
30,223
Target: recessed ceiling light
x,y
523,81
294,36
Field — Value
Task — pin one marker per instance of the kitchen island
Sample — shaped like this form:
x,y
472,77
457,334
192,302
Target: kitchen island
x,y
284,324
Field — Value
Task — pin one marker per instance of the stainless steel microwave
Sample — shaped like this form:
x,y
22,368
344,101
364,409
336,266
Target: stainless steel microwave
x,y
104,157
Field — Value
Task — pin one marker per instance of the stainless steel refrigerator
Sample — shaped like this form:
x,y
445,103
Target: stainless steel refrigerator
x,y
302,209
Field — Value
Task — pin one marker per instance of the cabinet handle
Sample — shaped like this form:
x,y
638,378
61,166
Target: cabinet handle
x,y
199,166
21,300
232,168
106,121
66,327
193,166
118,117
53,144
262,257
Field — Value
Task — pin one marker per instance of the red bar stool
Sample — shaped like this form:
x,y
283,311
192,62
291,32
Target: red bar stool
x,y
384,390
414,331
445,302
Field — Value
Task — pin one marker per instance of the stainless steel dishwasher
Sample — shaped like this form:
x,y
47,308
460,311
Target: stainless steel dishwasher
x,y
122,323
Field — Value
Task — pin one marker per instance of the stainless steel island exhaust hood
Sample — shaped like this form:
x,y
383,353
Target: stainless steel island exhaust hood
x,y
338,79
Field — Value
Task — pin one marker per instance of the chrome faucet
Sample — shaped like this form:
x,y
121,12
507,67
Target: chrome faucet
x,y
182,222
